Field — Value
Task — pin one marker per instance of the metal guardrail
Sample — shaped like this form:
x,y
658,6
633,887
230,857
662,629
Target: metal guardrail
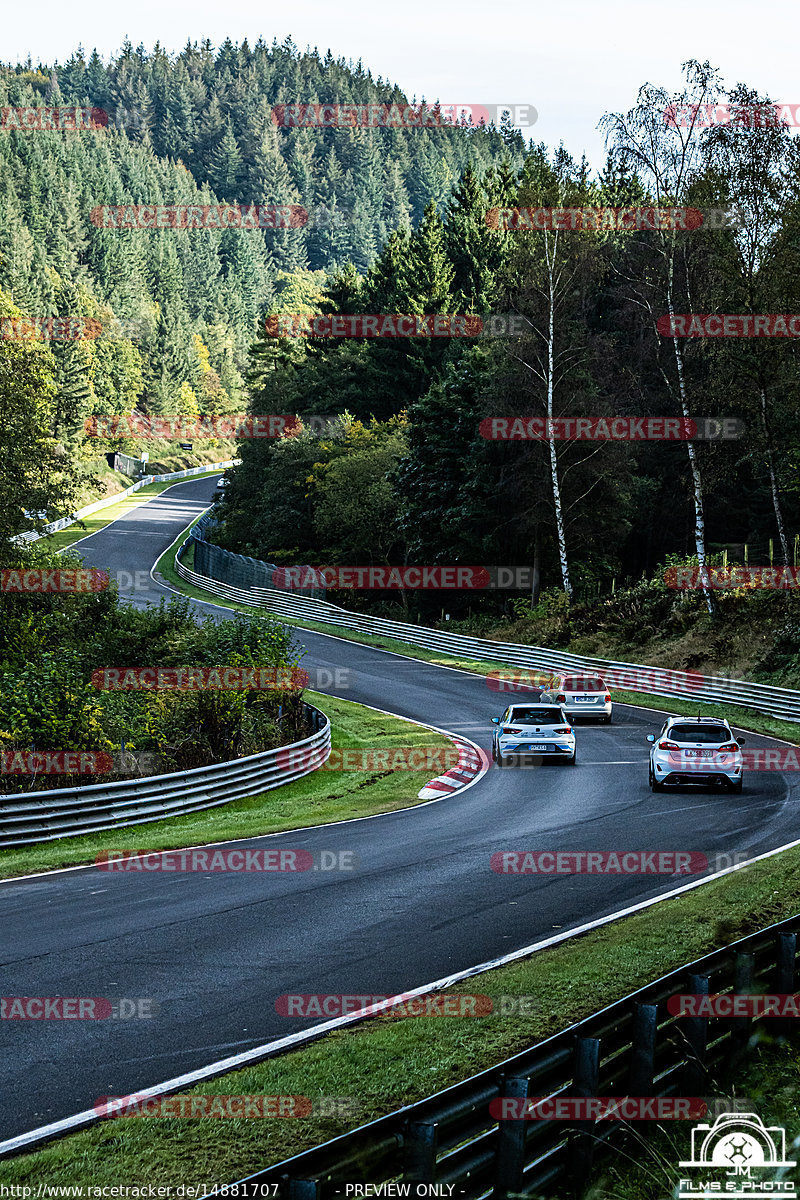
x,y
32,817
98,505
634,677
631,1048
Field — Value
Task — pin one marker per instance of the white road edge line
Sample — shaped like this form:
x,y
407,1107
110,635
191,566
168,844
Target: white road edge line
x,y
89,1117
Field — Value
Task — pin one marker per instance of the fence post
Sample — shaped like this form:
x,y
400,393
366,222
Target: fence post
x,y
696,1033
510,1154
303,1189
586,1073
742,984
785,957
643,1050
420,1152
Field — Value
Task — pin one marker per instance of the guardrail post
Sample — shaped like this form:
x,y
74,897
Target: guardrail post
x,y
643,1050
303,1189
586,1074
742,985
696,1032
785,959
510,1156
420,1152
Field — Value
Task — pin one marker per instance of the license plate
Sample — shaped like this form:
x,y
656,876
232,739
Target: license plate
x,y
539,746
699,753
584,699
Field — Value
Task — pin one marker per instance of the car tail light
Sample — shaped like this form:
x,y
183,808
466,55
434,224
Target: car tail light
x,y
668,746
561,699
730,746
566,729
508,729
606,698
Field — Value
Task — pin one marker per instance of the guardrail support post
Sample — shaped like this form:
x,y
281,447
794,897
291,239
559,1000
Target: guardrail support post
x,y
586,1076
742,985
785,959
510,1156
696,1032
420,1152
303,1189
643,1050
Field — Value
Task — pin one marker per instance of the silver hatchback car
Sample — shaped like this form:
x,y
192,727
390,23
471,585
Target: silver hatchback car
x,y
580,696
695,750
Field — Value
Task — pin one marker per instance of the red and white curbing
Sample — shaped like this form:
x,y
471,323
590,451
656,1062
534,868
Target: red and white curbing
x,y
472,763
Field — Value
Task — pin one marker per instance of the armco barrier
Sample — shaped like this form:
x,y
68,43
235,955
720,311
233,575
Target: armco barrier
x,y
633,1047
27,818
779,702
65,522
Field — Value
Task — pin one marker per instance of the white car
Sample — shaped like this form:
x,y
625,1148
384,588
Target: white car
x,y
533,729
581,696
695,750
222,482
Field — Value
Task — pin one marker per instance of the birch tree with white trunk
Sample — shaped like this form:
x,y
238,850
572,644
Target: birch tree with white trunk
x,y
668,157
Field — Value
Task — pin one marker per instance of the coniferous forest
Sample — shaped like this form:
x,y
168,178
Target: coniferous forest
x,y
398,224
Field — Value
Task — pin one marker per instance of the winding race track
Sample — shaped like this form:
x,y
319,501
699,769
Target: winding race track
x,y
215,950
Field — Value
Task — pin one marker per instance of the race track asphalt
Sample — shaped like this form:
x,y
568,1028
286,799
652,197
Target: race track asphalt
x,y
215,950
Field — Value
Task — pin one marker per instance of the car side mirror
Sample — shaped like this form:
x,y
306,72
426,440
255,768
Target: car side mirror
x,y
740,741
495,720
651,737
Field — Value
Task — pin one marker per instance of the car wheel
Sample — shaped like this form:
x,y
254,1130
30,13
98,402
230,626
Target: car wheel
x,y
654,785
505,760
608,719
494,752
736,787
571,761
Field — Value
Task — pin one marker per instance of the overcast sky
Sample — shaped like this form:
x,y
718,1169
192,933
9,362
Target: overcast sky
x,y
572,60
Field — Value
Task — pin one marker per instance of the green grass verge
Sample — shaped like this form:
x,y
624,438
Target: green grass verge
x,y
315,799
105,516
388,1062
742,718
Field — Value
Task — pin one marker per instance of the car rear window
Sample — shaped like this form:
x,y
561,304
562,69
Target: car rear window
x,y
698,733
583,683
537,716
